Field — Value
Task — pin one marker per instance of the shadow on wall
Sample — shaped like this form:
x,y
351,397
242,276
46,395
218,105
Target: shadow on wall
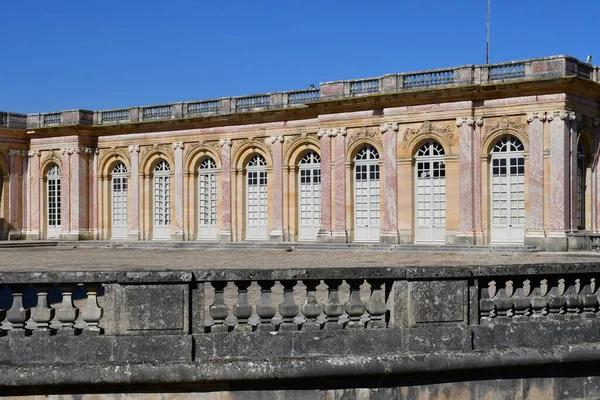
x,y
4,229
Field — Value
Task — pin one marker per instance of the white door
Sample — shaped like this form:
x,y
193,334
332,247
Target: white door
x,y
309,192
207,199
366,195
119,202
53,202
162,201
256,201
508,191
430,193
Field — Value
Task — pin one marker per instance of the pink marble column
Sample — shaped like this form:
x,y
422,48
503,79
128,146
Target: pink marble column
x,y
225,232
560,171
477,197
573,122
389,222
536,175
93,194
65,193
466,234
25,195
79,194
14,204
177,233
34,168
134,193
596,172
339,232
277,232
324,234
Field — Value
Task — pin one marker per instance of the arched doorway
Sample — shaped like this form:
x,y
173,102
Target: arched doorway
x,y
430,177
507,191
366,195
207,199
256,198
119,201
309,196
53,193
162,200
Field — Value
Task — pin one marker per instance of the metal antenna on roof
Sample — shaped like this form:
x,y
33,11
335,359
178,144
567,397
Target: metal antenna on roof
x,y
487,36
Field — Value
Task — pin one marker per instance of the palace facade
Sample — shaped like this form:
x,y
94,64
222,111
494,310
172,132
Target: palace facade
x,y
478,154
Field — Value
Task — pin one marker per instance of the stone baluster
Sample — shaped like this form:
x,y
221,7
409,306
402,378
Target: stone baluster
x,y
355,308
521,300
573,300
265,308
539,299
504,301
487,303
242,309
311,309
91,313
589,299
17,315
218,310
333,309
376,306
65,312
556,299
288,308
42,314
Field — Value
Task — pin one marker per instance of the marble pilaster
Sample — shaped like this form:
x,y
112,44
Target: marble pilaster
x,y
477,171
177,232
225,232
535,228
14,203
65,194
276,233
324,234
34,167
339,232
79,193
466,229
596,178
389,226
134,195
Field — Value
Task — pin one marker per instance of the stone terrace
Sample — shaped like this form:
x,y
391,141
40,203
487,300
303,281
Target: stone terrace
x,y
65,258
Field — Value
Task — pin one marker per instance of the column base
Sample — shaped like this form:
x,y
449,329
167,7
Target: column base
x,y
15,235
276,235
177,236
405,236
465,238
332,237
391,237
534,238
32,235
555,241
224,236
133,235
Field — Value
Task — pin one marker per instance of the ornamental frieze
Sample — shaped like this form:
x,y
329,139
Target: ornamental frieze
x,y
371,132
443,129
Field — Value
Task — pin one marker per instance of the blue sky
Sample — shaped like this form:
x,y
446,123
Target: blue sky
x,y
64,54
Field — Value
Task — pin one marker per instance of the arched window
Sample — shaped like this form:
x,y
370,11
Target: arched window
x,y
53,192
366,195
256,198
581,171
207,199
430,193
162,200
119,201
508,191
309,193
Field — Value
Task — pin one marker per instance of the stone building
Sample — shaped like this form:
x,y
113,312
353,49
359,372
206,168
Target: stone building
x,y
478,154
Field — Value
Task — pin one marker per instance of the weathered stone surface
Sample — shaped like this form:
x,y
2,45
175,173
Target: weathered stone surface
x,y
438,301
160,307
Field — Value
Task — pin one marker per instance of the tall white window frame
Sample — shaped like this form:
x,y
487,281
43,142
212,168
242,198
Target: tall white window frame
x,y
367,218
256,198
430,193
162,200
207,199
309,196
581,187
507,185
119,197
53,201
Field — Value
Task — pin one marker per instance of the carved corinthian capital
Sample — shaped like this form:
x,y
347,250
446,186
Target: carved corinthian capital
x,y
178,146
276,138
563,115
134,148
464,120
478,121
541,116
388,126
332,132
225,142
33,153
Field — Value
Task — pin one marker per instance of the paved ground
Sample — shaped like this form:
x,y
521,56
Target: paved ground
x,y
69,258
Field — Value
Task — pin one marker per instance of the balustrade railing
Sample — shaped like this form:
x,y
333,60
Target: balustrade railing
x,y
297,305
157,112
52,118
50,308
304,96
115,116
429,79
201,107
364,86
253,101
507,71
